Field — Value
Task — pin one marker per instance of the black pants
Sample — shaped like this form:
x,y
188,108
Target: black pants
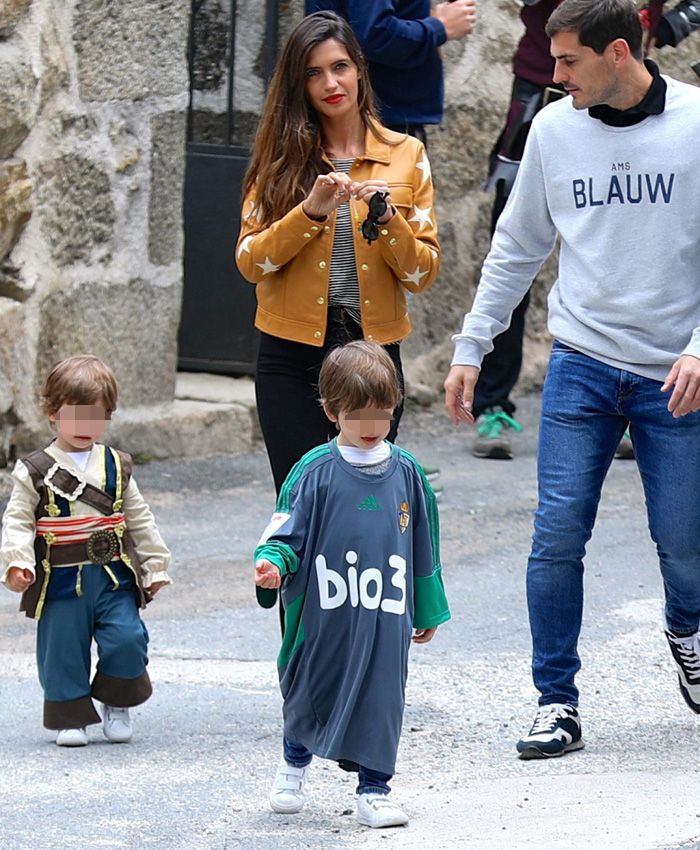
x,y
500,369
286,390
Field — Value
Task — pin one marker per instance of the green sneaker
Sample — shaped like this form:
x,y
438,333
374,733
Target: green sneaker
x,y
492,440
625,449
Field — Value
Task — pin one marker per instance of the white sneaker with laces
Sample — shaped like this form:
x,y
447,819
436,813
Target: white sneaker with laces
x,y
379,810
71,738
288,792
116,724
686,654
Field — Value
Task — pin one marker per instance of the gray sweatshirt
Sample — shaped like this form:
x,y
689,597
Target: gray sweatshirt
x,y
625,202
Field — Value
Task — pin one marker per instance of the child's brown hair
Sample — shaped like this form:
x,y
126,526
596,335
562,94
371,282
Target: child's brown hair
x,y
358,375
81,379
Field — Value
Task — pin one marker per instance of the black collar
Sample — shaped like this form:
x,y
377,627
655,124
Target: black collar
x,y
653,103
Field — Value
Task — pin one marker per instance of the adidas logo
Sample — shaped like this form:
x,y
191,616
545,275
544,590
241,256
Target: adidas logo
x,y
369,504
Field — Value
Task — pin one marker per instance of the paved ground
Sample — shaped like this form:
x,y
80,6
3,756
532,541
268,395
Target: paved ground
x,y
196,775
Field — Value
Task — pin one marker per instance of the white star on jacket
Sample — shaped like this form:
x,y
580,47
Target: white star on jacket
x,y
254,209
268,266
424,166
415,277
245,242
422,216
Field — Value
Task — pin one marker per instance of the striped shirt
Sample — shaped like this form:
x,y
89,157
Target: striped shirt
x,y
343,287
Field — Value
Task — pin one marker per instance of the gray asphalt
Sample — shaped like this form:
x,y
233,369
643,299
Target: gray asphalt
x,y
197,773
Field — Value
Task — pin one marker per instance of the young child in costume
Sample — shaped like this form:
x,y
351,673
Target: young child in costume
x,y
354,546
81,545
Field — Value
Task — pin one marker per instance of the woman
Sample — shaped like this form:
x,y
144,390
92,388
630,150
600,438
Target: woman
x,y
320,155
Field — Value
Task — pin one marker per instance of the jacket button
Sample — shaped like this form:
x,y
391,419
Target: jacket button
x,y
313,227
317,334
364,267
327,229
366,301
370,337
320,300
392,241
307,236
322,264
385,232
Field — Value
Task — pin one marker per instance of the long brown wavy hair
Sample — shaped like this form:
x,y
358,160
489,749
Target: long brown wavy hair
x,y
287,156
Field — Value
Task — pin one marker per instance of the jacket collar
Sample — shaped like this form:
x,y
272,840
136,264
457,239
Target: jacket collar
x,y
374,149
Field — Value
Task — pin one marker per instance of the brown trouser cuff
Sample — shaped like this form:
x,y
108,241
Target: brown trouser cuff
x,y
121,693
70,714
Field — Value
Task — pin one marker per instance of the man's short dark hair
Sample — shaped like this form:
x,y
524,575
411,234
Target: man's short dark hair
x,y
599,22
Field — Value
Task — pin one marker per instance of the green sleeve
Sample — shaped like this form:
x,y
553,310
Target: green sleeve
x,y
280,554
430,602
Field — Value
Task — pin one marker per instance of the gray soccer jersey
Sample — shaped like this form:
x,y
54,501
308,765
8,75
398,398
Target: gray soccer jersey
x,y
360,557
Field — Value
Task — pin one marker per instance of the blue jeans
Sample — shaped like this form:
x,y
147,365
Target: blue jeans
x,y
586,407
370,781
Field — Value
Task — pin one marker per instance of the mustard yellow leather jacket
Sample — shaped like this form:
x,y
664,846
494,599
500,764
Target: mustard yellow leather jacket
x,y
290,260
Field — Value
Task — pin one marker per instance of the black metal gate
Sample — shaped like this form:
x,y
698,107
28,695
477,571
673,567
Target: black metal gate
x,y
216,328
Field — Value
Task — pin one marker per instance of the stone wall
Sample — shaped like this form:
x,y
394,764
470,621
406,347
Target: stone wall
x,y
92,131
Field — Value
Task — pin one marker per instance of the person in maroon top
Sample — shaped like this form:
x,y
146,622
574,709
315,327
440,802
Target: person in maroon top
x,y
533,89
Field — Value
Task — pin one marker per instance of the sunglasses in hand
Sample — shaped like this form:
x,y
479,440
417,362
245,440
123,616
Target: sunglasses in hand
x,y
377,208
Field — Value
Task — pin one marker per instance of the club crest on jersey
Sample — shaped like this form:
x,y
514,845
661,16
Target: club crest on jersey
x,y
404,517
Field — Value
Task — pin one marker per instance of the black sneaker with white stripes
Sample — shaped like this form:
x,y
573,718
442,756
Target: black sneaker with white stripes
x,y
686,654
556,730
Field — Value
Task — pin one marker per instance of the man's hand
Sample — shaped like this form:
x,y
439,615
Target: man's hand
x,y
18,579
684,377
457,17
423,635
155,587
267,574
459,393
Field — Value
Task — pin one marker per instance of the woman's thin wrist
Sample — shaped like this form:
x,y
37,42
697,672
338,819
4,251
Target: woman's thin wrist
x,y
312,217
387,220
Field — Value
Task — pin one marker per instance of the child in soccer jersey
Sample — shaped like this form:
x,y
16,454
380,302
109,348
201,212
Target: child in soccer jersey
x,y
81,546
354,546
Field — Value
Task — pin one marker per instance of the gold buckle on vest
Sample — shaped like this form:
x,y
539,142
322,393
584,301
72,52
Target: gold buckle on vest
x,y
102,546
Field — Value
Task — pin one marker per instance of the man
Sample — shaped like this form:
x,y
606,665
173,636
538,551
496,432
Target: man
x,y
400,39
613,170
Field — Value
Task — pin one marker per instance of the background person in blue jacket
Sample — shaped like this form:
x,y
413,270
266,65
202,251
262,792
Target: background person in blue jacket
x,y
400,40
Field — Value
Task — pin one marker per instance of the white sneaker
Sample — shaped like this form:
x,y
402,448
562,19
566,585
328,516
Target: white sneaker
x,y
288,795
379,810
71,738
116,724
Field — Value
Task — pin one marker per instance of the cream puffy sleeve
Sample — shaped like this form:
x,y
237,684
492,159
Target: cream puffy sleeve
x,y
19,524
153,554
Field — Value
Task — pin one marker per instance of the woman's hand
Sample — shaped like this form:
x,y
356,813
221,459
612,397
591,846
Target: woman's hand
x,y
363,192
327,194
